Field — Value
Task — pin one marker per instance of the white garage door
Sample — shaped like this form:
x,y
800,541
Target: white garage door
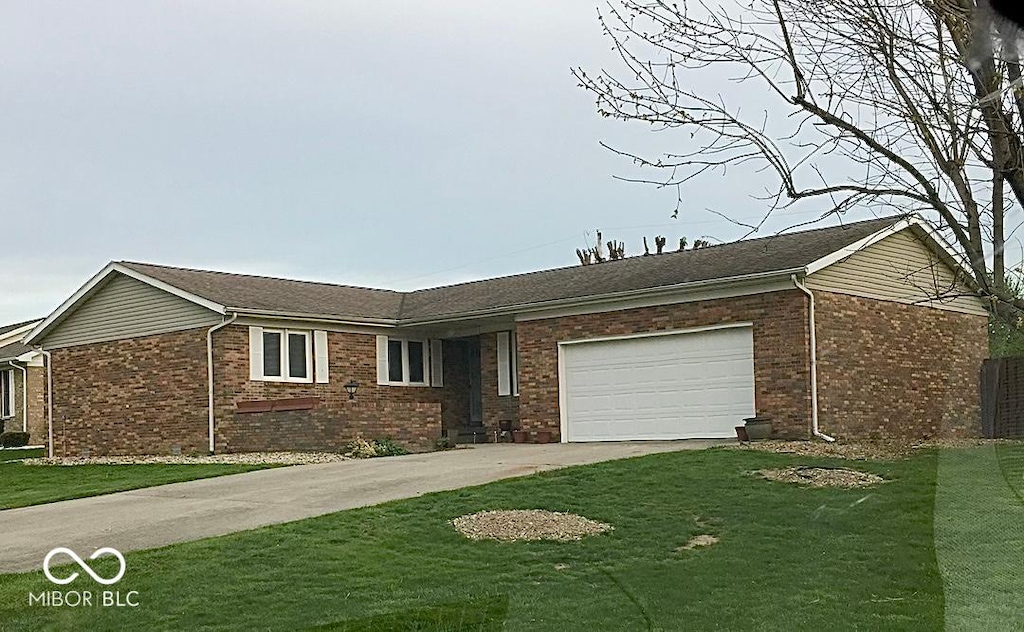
x,y
685,385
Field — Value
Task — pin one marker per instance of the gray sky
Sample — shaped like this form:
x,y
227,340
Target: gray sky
x,y
390,144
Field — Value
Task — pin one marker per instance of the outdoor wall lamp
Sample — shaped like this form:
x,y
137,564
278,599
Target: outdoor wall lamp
x,y
351,386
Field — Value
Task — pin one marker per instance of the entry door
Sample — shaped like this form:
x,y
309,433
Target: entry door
x,y
685,385
476,400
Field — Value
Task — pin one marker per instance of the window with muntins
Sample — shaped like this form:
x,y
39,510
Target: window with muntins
x,y
407,362
287,356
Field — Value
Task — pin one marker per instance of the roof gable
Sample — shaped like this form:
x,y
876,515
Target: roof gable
x,y
116,304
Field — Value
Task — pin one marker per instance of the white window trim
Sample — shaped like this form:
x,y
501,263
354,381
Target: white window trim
x,y
7,376
405,362
285,355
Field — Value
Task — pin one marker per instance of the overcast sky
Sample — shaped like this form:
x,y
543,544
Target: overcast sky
x,y
389,144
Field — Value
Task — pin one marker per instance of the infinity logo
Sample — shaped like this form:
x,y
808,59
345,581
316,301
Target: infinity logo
x,y
85,567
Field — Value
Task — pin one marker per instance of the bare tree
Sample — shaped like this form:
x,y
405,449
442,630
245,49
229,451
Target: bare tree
x,y
883,104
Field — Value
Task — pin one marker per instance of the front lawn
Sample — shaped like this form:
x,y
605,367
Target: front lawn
x,y
789,557
22,485
16,454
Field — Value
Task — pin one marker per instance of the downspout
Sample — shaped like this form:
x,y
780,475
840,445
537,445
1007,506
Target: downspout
x,y
24,395
209,368
49,399
814,363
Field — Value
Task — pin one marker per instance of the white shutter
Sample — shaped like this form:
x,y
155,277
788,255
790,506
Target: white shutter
x,y
382,359
514,359
436,367
504,372
320,353
256,353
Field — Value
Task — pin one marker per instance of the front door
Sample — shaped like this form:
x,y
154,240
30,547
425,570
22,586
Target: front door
x,y
476,402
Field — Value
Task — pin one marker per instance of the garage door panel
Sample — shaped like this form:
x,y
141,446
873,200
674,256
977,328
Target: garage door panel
x,y
678,386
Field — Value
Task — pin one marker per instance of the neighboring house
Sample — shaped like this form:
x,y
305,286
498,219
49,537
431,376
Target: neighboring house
x,y
671,346
22,383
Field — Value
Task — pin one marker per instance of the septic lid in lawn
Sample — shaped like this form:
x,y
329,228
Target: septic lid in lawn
x,y
527,524
822,476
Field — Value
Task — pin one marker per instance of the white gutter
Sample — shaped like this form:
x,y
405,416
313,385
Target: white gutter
x,y
49,399
209,368
814,364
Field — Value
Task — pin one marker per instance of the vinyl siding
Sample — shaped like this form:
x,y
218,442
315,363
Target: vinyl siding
x,y
898,268
127,308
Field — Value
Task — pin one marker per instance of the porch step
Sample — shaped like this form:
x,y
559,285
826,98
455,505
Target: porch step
x,y
475,435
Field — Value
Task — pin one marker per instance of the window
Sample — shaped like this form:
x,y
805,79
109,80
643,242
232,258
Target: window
x,y
396,372
406,361
281,355
6,394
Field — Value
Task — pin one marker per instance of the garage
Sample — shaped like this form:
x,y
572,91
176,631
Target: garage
x,y
692,384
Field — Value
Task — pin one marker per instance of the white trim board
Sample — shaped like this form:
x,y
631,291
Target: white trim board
x,y
16,335
669,298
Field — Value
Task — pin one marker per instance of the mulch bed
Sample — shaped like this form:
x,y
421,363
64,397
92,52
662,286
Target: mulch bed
x,y
822,476
527,525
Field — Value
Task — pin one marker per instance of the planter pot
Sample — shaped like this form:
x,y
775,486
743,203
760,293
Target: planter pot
x,y
519,436
759,430
543,436
741,434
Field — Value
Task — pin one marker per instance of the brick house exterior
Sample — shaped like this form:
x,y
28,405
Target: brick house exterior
x,y
130,349
25,371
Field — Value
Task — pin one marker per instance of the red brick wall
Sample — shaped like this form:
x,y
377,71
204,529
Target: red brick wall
x,y
136,396
781,368
148,395
408,414
886,369
36,405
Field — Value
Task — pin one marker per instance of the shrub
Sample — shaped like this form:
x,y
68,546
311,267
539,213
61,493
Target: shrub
x,y
361,449
444,443
13,439
387,447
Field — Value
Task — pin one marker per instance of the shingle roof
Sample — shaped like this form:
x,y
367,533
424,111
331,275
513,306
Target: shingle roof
x,y
13,350
259,293
742,258
739,258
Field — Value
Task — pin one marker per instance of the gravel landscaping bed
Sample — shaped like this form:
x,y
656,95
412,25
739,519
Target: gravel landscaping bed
x,y
245,458
822,476
526,525
697,541
879,450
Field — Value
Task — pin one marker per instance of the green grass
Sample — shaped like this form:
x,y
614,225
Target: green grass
x,y
789,558
23,485
979,536
18,454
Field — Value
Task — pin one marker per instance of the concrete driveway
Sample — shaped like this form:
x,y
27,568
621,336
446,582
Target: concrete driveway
x,y
158,516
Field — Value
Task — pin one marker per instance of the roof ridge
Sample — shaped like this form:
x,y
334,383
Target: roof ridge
x,y
258,276
891,218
